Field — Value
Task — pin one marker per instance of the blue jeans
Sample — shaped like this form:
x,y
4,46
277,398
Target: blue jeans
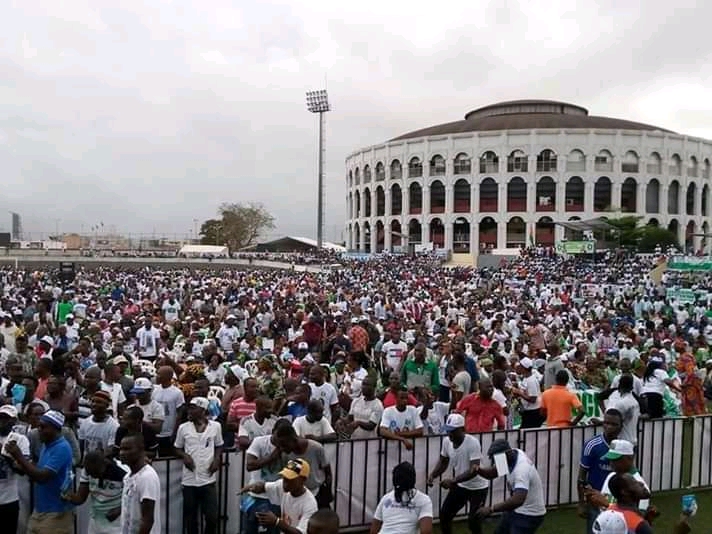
x,y
591,518
514,523
250,525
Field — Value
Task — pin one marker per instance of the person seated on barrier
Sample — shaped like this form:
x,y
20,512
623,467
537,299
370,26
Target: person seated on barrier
x,y
401,422
404,509
297,503
324,521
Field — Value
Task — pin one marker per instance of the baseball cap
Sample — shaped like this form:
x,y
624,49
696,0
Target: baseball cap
x,y
619,448
498,447
9,410
48,340
610,522
296,468
103,396
119,359
200,402
54,418
142,385
526,363
454,421
303,345
69,316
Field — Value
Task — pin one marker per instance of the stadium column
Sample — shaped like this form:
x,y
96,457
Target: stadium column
x,y
474,238
616,203
387,236
448,234
640,197
588,199
374,235
502,234
426,200
532,201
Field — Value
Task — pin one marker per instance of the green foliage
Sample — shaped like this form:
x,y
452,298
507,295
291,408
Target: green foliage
x,y
238,227
644,238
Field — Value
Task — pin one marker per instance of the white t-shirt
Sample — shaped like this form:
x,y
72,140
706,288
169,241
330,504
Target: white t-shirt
x,y
637,384
201,448
98,435
435,422
227,336
171,312
460,459
320,428
8,478
153,411
396,421
402,518
642,504
250,428
366,412
532,388
326,393
148,342
656,383
144,485
295,511
394,353
462,382
117,396
524,476
171,398
629,408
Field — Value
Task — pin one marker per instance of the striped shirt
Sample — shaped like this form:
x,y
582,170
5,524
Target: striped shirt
x,y
240,408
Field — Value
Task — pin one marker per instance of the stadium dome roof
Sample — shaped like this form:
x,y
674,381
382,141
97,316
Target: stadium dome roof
x,y
529,115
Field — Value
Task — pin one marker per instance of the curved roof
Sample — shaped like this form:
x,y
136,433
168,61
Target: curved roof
x,y
529,115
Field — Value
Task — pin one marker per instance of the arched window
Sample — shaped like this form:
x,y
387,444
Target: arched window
x,y
693,167
462,164
517,161
655,164
630,162
489,163
437,165
546,161
366,174
380,172
396,170
357,176
603,161
675,165
415,168
576,161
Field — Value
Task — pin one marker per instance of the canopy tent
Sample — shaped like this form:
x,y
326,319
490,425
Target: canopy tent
x,y
590,225
204,250
293,244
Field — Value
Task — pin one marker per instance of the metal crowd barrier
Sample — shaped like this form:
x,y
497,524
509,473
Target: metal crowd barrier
x,y
673,454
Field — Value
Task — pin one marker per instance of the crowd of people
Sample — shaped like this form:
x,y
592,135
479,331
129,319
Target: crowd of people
x,y
122,366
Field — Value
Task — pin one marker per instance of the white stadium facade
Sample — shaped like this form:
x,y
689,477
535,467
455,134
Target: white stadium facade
x,y
501,178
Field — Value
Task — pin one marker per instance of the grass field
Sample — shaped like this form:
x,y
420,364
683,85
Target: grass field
x,y
565,520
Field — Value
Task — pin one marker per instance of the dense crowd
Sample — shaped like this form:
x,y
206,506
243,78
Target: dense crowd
x,y
133,364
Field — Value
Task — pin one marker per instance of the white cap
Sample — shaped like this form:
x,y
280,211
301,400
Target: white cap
x,y
303,345
200,402
620,448
454,421
9,410
610,522
526,363
48,340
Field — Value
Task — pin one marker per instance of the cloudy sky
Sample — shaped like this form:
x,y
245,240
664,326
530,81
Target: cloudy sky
x,y
149,115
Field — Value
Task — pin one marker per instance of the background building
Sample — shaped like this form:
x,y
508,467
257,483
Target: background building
x,y
501,177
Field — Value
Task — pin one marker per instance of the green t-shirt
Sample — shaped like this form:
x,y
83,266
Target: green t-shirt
x,y
64,309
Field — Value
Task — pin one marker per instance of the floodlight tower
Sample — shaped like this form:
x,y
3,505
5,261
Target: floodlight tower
x,y
318,102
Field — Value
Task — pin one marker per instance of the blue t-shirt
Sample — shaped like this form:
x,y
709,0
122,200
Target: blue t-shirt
x,y
57,457
296,410
592,459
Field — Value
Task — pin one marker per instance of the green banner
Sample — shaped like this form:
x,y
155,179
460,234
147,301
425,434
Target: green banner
x,y
681,295
589,399
575,247
690,263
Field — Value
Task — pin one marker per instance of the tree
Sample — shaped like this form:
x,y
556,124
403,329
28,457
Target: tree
x,y
238,227
652,236
643,238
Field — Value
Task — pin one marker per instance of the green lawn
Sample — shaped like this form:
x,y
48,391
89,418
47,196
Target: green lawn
x,y
565,520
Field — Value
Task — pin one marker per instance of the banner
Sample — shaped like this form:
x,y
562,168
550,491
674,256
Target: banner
x,y
690,263
681,295
575,247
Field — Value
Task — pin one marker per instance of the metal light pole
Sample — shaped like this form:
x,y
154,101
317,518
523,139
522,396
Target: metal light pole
x,y
318,102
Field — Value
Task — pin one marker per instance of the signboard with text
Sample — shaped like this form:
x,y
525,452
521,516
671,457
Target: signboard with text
x,y
575,247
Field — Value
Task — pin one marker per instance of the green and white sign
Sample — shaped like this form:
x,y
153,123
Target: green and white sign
x,y
681,295
575,247
690,263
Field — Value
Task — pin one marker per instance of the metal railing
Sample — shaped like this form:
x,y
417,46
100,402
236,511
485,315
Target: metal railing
x,y
673,454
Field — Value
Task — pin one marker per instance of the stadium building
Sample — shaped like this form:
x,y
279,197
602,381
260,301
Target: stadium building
x,y
501,178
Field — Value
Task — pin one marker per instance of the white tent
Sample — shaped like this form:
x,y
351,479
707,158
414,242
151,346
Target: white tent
x,y
204,250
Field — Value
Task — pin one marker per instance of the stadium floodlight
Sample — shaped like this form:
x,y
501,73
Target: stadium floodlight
x,y
318,102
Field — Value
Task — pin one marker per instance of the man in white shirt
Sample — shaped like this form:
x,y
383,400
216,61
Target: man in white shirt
x,y
199,443
171,309
323,391
530,394
153,413
623,400
394,352
296,502
141,494
172,400
401,422
147,339
314,425
462,454
228,334
9,496
525,509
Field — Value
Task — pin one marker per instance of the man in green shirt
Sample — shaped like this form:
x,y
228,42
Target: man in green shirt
x,y
420,372
64,308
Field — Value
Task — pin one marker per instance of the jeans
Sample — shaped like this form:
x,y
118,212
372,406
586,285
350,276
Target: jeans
x,y
8,516
454,502
514,523
591,516
250,525
205,499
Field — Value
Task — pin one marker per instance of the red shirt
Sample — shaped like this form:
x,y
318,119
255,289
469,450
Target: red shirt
x,y
359,338
390,399
240,408
481,415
